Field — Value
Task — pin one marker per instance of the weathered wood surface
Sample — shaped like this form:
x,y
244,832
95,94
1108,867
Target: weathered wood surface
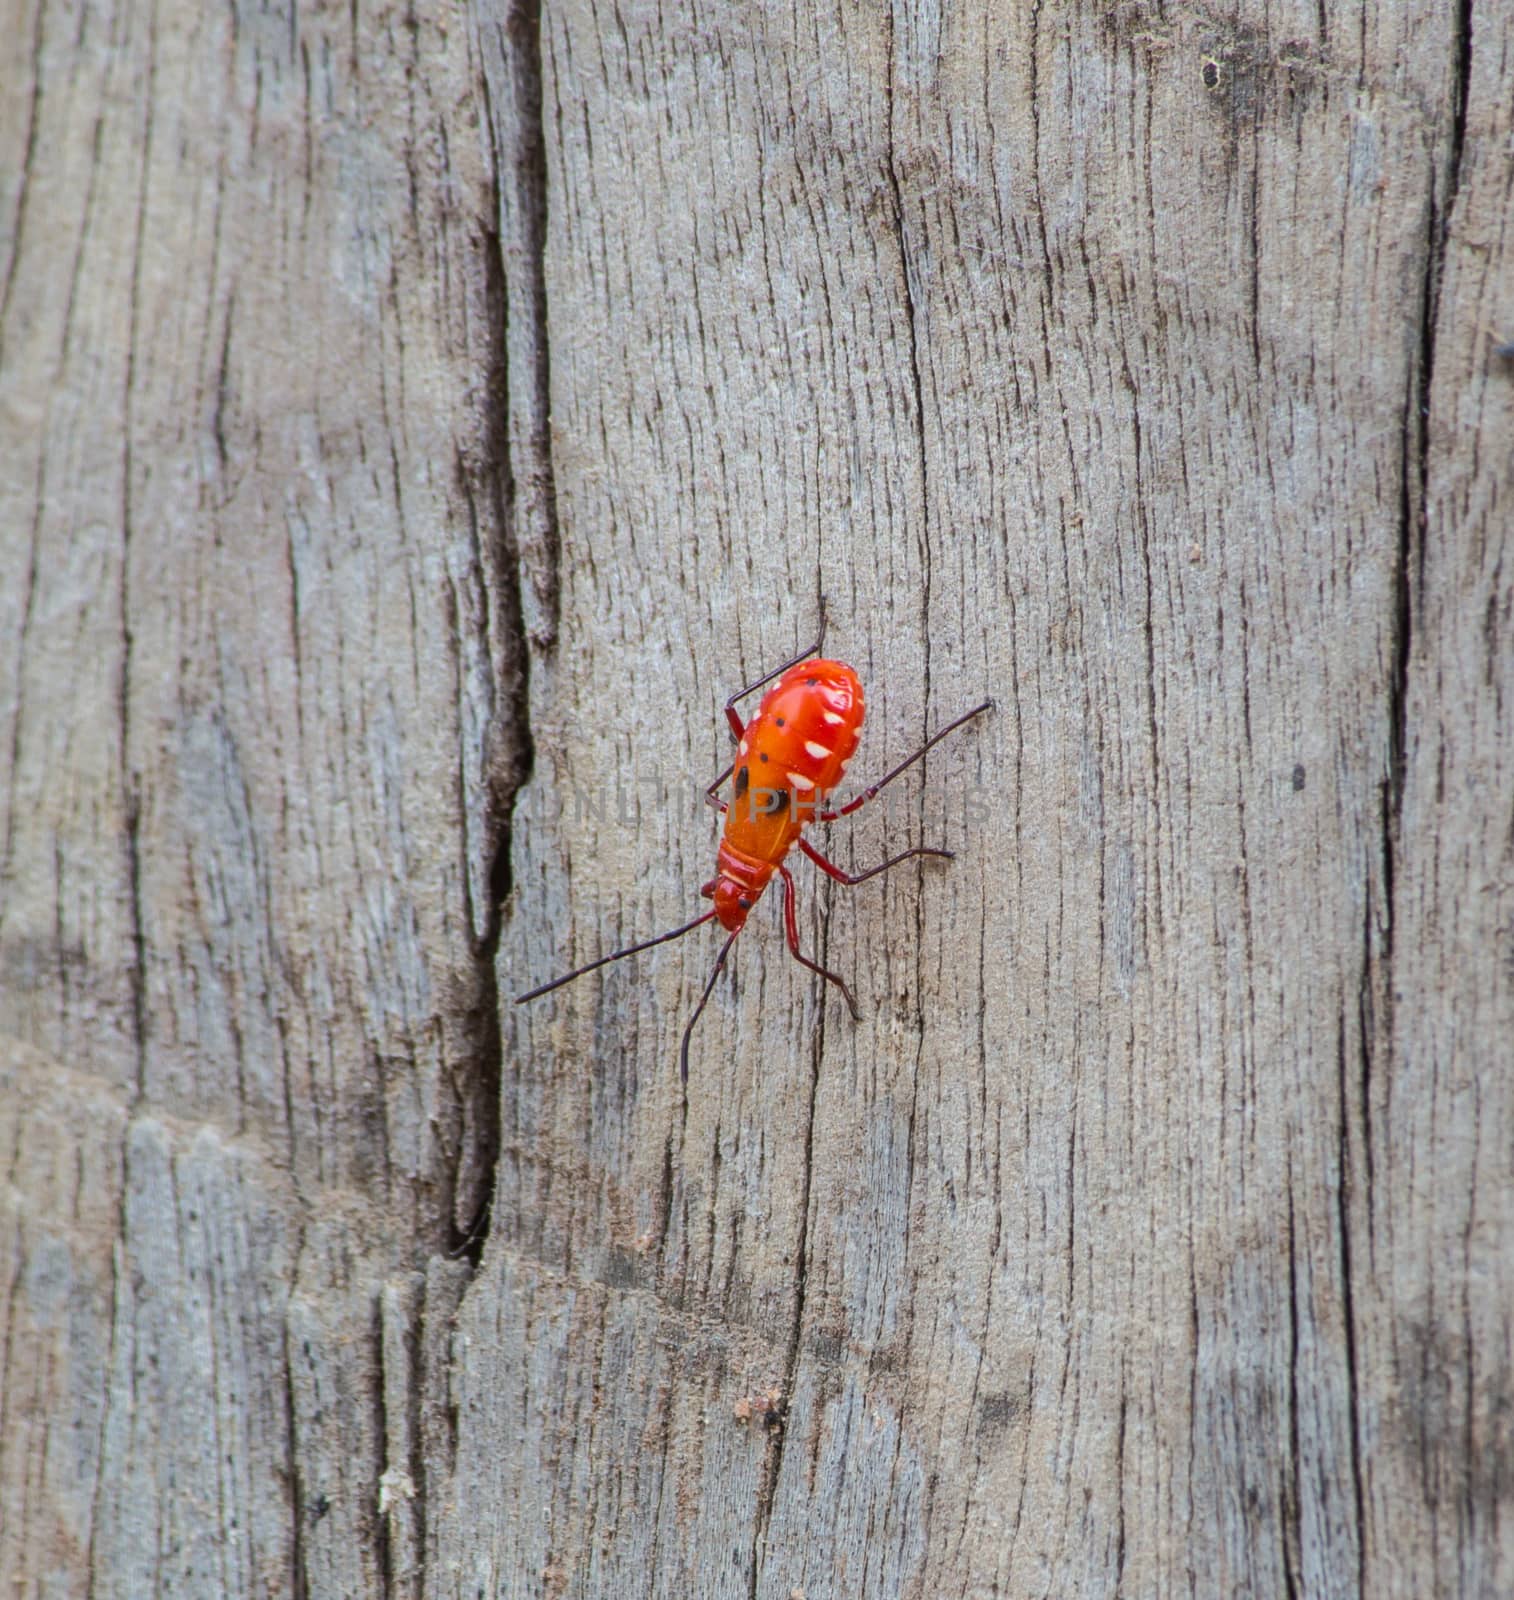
x,y
397,409
256,645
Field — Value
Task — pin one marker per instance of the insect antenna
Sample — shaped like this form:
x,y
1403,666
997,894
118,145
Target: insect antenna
x,y
630,950
688,1032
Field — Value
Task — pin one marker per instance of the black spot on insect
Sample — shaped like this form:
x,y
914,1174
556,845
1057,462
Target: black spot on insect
x,y
811,682
780,800
762,755
743,777
744,901
779,721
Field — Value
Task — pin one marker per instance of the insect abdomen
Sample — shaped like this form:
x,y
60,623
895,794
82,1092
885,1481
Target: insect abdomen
x,y
792,755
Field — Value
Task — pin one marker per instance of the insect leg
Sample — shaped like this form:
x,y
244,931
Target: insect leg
x,y
868,793
738,727
683,1054
791,929
710,797
831,870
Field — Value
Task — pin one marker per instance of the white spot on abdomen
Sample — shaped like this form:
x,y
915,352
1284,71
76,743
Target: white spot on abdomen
x,y
819,751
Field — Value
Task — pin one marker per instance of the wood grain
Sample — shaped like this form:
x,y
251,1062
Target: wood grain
x,y
414,426
255,647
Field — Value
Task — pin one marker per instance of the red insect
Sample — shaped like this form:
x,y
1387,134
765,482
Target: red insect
x,y
788,758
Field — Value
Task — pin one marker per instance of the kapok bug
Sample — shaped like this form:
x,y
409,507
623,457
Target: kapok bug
x,y
788,758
